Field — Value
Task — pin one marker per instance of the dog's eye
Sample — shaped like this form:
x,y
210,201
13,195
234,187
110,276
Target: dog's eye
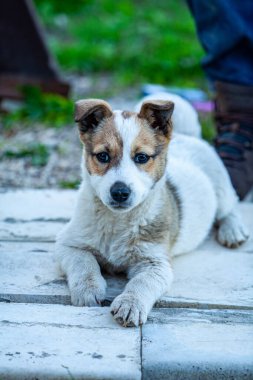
x,y
103,157
141,158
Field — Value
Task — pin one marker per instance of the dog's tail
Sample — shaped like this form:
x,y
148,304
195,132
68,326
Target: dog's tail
x,y
185,118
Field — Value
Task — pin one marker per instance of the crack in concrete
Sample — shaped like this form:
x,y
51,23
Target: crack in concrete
x,y
57,325
53,220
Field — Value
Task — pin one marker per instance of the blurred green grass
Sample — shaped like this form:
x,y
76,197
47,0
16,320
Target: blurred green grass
x,y
136,42
49,109
132,42
36,154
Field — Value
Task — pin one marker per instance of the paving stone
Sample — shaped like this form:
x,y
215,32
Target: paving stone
x,y
29,273
66,342
193,344
34,215
212,278
14,230
35,205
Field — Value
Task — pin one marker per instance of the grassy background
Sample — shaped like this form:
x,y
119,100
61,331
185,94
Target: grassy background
x,y
130,42
135,41
122,44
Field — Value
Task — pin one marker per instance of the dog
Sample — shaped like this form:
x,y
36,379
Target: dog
x,y
151,189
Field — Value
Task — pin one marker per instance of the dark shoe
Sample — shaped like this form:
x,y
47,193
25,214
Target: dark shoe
x,y
234,141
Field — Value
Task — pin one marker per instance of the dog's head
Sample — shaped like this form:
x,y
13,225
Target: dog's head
x,y
125,152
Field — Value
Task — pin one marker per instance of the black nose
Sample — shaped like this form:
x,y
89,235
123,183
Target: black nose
x,y
120,192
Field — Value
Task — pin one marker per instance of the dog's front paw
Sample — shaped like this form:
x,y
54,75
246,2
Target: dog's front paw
x,y
128,310
89,292
232,232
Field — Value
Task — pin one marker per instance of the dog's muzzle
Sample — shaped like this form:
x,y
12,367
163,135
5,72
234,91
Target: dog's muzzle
x,y
120,192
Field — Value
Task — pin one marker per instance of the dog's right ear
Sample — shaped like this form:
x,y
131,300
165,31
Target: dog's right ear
x,y
90,112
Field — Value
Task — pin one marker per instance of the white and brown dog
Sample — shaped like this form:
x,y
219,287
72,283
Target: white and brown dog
x,y
148,193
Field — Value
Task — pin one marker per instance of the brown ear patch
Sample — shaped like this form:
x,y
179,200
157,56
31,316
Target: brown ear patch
x,y
158,115
89,113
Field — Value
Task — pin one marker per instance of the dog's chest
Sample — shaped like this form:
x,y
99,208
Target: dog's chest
x,y
111,237
114,238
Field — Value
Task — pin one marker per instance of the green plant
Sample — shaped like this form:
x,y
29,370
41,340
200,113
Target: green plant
x,y
69,184
133,41
208,129
49,109
37,154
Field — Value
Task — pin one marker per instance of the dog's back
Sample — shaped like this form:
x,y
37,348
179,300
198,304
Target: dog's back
x,y
196,173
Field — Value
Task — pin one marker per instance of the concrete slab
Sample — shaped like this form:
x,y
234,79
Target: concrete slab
x,y
29,273
212,278
34,205
14,230
65,342
34,215
192,344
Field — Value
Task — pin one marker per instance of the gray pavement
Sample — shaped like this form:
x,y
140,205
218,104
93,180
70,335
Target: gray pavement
x,y
203,329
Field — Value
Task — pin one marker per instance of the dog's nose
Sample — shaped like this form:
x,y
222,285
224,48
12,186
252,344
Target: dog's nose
x,y
120,192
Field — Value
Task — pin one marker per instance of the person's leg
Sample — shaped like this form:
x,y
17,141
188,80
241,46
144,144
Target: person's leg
x,y
225,29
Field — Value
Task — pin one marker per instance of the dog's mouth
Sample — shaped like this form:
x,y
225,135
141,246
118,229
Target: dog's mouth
x,y
119,206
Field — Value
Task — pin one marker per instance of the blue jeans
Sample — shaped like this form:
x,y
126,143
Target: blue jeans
x,y
225,29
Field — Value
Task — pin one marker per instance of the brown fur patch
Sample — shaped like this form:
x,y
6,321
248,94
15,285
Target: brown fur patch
x,y
154,144
105,138
90,112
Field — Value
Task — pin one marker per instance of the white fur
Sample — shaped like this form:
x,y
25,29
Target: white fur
x,y
98,236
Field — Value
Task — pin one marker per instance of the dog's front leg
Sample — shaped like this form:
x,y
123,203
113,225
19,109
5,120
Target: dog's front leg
x,y
86,284
150,278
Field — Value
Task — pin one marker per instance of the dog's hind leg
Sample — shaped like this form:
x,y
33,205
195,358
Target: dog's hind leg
x,y
231,230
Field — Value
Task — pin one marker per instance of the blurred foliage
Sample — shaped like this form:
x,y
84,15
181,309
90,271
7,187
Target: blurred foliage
x,y
49,109
69,184
144,41
207,126
132,42
36,154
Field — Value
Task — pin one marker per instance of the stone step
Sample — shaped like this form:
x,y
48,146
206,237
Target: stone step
x,y
66,342
32,204
194,335
38,215
191,344
30,274
203,279
34,215
56,341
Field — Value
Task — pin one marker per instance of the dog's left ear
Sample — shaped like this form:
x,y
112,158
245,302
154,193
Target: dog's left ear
x,y
90,112
158,114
